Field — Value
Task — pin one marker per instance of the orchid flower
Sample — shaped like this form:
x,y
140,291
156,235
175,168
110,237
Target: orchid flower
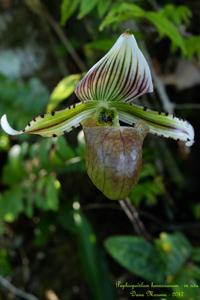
x,y
107,93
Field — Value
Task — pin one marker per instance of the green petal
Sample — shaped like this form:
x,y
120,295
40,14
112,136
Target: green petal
x,y
162,124
55,123
122,74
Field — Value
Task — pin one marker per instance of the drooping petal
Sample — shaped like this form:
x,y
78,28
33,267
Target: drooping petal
x,y
162,124
55,123
122,74
7,128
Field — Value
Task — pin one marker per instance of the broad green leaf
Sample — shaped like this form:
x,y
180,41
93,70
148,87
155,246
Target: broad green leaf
x,y
86,7
162,124
68,7
174,250
136,255
159,262
63,90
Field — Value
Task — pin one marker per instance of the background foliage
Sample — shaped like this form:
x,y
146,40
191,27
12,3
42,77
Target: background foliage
x,y
60,238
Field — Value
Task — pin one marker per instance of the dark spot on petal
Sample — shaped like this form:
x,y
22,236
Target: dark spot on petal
x,y
53,113
166,114
144,108
54,135
42,115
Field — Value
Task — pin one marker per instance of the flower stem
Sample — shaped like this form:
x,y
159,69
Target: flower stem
x,y
134,217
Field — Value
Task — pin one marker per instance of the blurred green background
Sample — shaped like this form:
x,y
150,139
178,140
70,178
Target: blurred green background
x,y
60,238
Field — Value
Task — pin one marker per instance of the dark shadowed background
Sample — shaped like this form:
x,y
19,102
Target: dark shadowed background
x,y
60,238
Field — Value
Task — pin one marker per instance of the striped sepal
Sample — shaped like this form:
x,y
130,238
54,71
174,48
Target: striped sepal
x,y
55,123
163,124
122,74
